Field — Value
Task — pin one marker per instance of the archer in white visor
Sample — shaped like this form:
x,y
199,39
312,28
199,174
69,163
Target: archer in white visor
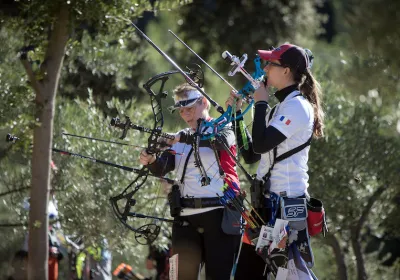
x,y
209,234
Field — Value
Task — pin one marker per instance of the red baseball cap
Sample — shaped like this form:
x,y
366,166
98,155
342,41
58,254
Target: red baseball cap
x,y
289,55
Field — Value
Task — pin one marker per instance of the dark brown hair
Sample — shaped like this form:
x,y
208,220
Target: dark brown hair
x,y
311,90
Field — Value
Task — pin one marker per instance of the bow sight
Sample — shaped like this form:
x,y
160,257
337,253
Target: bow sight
x,y
254,80
253,83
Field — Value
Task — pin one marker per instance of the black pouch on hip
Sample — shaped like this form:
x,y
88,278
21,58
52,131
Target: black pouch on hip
x,y
256,193
174,199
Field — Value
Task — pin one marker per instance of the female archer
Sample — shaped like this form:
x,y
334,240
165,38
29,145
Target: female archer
x,y
281,136
206,232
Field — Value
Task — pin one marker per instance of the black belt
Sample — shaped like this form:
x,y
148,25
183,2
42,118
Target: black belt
x,y
200,202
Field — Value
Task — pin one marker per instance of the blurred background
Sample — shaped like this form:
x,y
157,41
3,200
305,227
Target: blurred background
x,y
354,169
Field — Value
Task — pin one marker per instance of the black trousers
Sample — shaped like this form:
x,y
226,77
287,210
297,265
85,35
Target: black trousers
x,y
203,241
251,266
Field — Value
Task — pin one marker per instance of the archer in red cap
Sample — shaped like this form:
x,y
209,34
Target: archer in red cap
x,y
280,141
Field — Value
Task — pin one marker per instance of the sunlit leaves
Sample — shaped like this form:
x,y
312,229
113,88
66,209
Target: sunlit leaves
x,y
86,186
357,156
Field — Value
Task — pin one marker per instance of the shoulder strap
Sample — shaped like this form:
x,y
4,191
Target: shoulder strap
x,y
187,160
292,151
185,165
271,113
288,153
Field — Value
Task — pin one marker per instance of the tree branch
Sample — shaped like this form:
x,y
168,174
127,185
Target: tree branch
x,y
356,230
332,241
42,139
27,188
14,191
372,199
50,68
30,73
14,225
26,224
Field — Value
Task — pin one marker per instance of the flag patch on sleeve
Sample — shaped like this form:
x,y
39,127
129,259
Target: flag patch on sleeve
x,y
285,120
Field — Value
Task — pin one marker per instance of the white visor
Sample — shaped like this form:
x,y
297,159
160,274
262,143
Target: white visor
x,y
187,101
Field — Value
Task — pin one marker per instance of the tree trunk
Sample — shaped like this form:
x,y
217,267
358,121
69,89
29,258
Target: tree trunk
x,y
42,142
356,231
339,256
356,245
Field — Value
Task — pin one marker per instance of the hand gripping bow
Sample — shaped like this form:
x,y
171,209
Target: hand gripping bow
x,y
253,83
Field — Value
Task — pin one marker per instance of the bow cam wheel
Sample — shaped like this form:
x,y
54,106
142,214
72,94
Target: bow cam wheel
x,y
146,234
196,74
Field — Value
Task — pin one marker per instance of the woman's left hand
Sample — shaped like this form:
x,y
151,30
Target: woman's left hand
x,y
234,98
261,94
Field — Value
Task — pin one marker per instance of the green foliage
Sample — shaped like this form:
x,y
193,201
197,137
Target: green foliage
x,y
103,63
86,186
16,96
325,267
357,156
31,22
369,41
352,162
244,26
107,62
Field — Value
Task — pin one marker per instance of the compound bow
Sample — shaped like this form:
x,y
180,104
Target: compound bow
x,y
226,116
147,233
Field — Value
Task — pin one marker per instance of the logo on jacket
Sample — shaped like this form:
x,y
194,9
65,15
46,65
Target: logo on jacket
x,y
294,211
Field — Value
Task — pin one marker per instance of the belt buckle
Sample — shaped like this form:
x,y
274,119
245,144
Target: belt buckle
x,y
197,202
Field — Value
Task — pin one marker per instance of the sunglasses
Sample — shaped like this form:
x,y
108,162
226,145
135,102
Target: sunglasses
x,y
273,64
188,104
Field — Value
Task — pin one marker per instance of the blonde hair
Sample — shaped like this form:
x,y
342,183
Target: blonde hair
x,y
182,90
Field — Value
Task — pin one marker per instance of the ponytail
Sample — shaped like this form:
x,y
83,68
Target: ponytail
x,y
311,90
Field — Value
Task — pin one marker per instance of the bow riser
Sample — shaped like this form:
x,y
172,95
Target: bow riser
x,y
145,234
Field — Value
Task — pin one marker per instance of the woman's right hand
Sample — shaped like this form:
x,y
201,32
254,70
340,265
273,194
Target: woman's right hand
x,y
146,158
236,99
261,94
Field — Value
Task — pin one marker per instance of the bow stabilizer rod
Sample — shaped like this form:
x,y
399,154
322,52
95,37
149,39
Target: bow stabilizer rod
x,y
100,140
92,159
213,103
202,60
119,143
